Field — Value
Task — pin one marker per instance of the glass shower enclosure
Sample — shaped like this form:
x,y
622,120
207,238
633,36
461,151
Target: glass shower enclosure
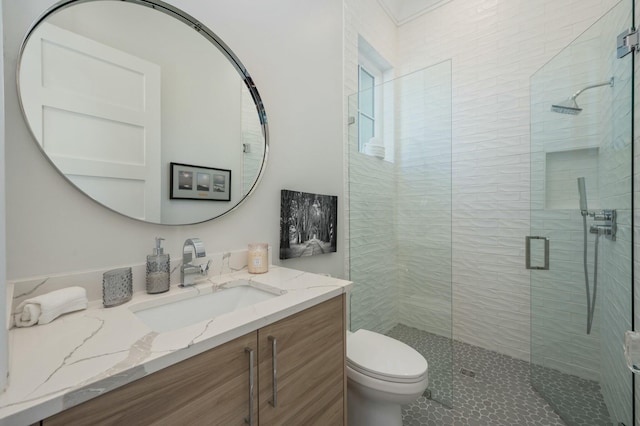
x,y
399,205
580,245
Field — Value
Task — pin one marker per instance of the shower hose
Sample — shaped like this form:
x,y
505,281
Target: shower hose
x,y
591,299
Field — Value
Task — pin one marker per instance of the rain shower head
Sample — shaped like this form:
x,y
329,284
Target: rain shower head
x,y
570,106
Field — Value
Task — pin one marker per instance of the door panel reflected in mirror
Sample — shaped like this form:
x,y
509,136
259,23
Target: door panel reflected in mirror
x,y
115,91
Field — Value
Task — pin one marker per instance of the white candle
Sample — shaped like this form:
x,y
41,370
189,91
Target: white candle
x,y
258,258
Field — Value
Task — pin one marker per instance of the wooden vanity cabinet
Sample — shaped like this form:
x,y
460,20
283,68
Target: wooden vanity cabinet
x,y
310,376
212,388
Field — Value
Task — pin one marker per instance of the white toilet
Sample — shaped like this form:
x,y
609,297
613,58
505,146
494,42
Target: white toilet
x,y
382,375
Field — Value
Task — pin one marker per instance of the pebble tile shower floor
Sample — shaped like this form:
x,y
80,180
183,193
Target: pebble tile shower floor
x,y
499,394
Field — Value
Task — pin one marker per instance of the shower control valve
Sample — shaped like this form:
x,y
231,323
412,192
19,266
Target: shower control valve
x,y
600,229
610,226
602,215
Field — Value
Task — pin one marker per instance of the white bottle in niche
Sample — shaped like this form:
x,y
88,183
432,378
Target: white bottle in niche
x,y
258,258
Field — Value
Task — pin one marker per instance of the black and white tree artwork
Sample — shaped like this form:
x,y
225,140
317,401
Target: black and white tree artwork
x,y
308,224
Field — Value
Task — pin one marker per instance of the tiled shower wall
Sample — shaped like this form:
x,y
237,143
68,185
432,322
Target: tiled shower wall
x,y
371,191
615,183
423,201
400,212
495,46
374,300
594,144
564,147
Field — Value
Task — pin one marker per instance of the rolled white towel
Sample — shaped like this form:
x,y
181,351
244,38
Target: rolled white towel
x,y
45,308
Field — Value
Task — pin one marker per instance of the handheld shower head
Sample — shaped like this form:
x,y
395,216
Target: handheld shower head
x,y
582,189
570,106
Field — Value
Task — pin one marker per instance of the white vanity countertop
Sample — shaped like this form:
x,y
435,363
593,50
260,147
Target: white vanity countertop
x,y
81,355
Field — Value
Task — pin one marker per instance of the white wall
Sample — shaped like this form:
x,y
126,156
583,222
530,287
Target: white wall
x,y
292,48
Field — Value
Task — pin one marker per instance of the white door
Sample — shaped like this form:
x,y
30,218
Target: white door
x,y
95,110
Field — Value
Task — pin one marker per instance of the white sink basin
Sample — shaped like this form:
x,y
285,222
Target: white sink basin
x,y
178,311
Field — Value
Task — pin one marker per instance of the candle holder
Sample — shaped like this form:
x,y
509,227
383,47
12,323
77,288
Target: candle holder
x,y
117,287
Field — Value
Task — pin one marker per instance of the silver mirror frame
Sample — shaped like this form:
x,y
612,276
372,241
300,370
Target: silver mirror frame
x,y
206,33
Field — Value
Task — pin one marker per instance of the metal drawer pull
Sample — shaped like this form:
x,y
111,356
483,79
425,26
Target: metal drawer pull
x,y
274,353
249,420
528,253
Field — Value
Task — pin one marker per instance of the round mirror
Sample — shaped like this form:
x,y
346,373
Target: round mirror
x,y
143,109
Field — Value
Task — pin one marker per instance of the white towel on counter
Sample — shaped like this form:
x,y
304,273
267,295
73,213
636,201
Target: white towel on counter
x,y
45,308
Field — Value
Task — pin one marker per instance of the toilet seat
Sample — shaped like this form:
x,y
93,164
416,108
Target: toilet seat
x,y
384,358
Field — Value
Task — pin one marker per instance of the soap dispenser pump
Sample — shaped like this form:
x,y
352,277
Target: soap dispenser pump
x,y
158,269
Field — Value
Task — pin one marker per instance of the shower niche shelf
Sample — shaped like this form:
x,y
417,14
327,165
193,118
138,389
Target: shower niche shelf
x,y
562,169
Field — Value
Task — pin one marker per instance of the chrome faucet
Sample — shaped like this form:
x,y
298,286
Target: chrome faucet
x,y
188,271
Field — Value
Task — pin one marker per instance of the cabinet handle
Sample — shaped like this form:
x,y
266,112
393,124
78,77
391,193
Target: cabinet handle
x,y
274,356
249,420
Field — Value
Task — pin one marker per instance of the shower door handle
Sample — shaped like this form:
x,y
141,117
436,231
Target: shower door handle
x,y
528,239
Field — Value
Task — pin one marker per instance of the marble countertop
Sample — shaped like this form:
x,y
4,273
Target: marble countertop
x,y
84,354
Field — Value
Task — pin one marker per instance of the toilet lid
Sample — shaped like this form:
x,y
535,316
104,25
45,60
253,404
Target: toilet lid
x,y
385,358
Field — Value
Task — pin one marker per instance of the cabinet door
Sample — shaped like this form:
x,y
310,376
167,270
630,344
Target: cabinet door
x,y
211,388
310,367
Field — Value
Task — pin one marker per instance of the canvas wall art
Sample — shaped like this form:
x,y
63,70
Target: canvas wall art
x,y
308,224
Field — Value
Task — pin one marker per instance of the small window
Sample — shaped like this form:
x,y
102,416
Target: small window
x,y
375,103
366,107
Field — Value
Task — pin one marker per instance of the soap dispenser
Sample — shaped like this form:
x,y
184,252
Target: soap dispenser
x,y
158,269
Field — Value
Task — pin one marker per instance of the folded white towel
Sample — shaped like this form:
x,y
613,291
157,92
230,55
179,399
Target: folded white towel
x,y
45,308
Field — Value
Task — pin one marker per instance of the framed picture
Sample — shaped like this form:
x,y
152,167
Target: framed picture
x,y
189,182
308,224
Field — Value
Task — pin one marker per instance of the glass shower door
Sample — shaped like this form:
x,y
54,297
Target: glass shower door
x,y
581,208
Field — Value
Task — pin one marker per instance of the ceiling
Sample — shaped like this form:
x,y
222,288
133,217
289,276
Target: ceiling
x,y
402,11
